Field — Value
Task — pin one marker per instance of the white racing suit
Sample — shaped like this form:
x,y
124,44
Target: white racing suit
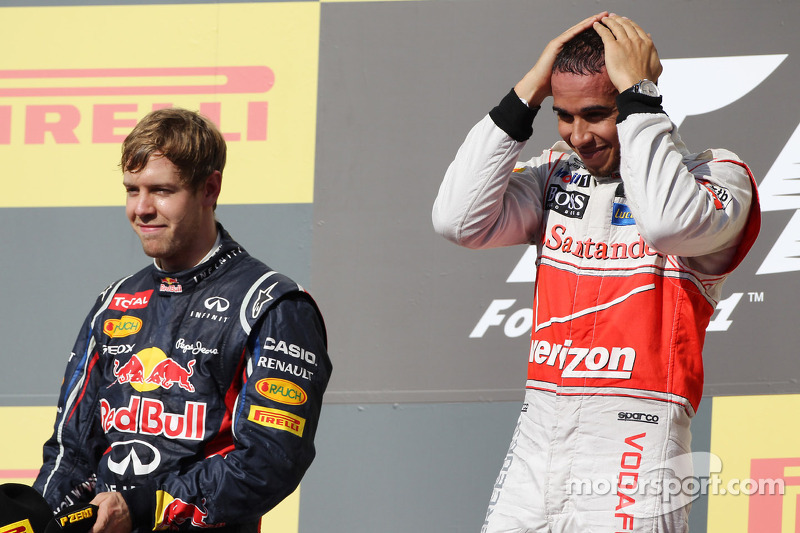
x,y
630,269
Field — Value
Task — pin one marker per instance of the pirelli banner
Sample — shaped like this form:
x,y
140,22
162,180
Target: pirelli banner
x,y
341,118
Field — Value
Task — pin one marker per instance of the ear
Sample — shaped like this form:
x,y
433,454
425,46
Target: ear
x,y
212,188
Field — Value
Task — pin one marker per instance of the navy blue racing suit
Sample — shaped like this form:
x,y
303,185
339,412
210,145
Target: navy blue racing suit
x,y
196,395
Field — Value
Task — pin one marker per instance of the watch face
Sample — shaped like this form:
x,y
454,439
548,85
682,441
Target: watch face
x,y
648,87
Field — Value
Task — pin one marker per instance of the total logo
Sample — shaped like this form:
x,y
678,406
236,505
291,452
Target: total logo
x,y
123,302
122,327
151,368
778,191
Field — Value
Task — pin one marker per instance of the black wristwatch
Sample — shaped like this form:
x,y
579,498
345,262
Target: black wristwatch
x,y
646,87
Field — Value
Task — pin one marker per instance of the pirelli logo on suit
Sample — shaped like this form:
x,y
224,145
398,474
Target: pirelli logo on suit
x,y
277,419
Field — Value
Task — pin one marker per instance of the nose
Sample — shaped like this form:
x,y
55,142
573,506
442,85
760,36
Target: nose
x,y
144,204
581,133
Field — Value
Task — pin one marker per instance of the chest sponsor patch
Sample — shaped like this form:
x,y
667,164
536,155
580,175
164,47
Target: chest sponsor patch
x,y
621,215
277,419
123,302
583,363
122,327
571,204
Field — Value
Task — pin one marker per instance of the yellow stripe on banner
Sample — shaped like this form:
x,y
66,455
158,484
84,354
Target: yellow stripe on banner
x,y
65,109
24,430
285,516
757,489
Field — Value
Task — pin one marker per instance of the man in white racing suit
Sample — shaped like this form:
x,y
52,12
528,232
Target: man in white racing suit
x,y
635,236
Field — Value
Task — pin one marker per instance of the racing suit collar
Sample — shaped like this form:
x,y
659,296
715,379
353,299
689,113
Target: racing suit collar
x,y
224,248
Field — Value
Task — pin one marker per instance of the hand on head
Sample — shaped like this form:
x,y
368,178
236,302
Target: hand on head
x,y
630,56
535,86
629,52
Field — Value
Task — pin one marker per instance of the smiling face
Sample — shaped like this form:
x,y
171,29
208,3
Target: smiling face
x,y
174,222
587,111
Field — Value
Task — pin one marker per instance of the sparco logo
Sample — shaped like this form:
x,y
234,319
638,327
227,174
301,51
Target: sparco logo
x,y
637,417
575,362
571,204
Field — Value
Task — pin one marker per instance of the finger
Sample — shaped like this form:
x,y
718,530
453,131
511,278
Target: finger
x,y
604,32
619,27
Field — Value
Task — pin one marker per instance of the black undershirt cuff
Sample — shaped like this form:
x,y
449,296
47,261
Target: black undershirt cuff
x,y
514,117
629,103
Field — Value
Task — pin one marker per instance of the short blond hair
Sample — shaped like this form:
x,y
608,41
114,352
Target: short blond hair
x,y
188,139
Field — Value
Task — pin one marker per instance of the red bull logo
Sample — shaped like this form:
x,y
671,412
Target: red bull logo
x,y
122,327
171,511
147,416
170,285
151,368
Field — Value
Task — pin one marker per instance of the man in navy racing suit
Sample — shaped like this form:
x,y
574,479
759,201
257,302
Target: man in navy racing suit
x,y
193,393
635,236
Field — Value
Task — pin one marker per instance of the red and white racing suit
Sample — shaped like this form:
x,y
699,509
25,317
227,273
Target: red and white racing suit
x,y
630,269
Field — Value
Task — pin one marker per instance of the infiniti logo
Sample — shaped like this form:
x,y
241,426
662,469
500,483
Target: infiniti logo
x,y
217,303
132,458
